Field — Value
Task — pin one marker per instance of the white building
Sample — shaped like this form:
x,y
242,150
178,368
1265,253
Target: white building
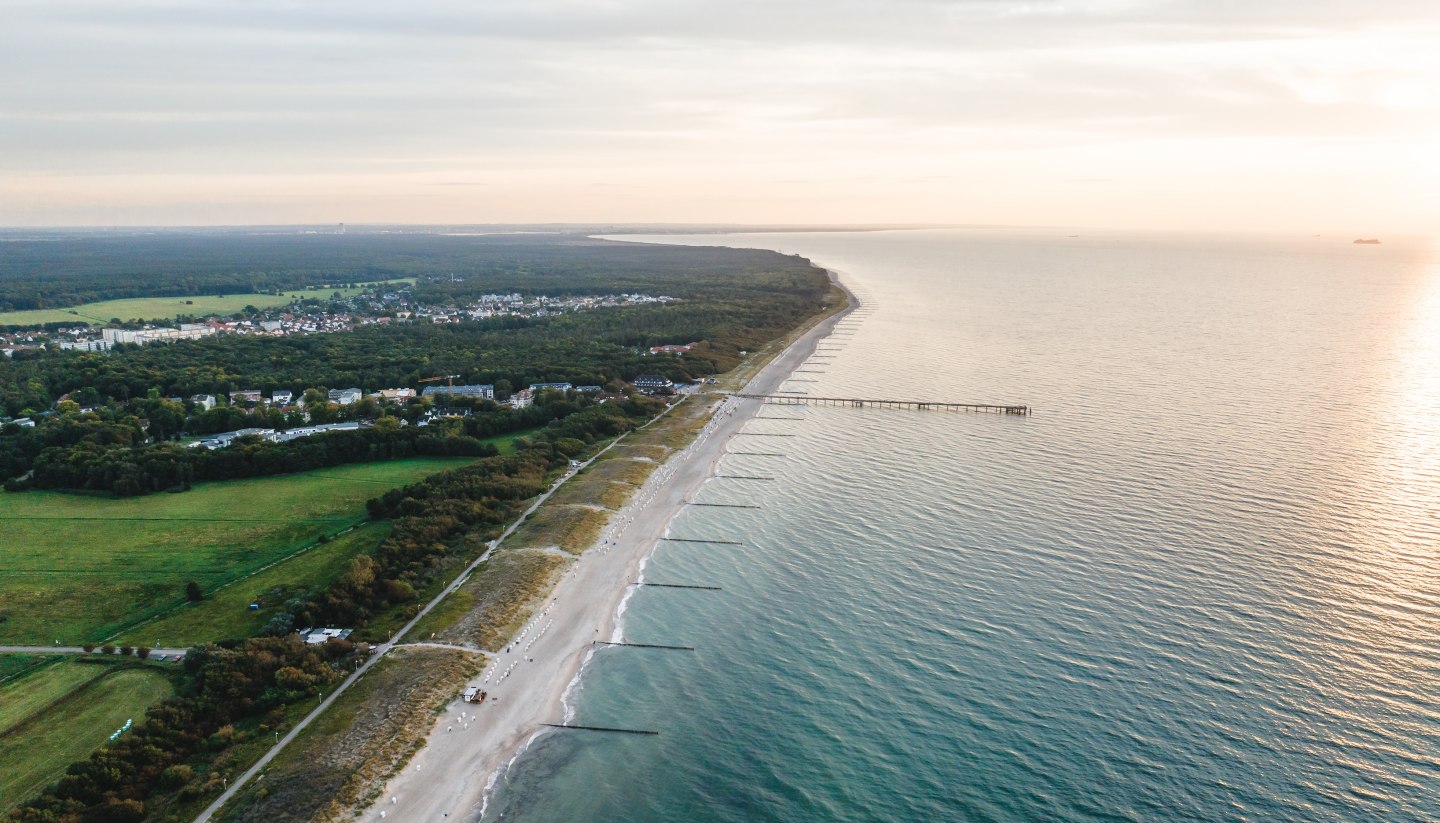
x,y
187,331
345,397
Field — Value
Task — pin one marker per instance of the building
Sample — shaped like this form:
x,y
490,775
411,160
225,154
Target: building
x,y
85,345
395,395
589,389
187,331
225,439
484,391
676,350
205,402
550,387
345,397
246,396
651,383
317,636
281,398
521,399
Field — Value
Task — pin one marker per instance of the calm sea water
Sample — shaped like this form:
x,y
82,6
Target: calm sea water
x,y
1202,582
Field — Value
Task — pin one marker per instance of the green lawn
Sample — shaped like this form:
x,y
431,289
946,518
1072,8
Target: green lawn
x,y
78,568
14,665
61,713
166,308
226,613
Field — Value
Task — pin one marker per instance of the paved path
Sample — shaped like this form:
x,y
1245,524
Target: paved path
x,y
384,648
78,650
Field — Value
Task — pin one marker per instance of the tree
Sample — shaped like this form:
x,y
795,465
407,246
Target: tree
x,y
193,592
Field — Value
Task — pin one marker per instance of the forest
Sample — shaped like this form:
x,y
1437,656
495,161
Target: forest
x,y
83,267
730,301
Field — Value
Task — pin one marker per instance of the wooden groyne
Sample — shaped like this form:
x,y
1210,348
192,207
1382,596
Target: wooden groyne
x,y
860,403
647,645
598,729
725,505
679,586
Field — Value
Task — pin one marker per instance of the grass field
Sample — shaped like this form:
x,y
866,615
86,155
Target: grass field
x,y
84,568
59,714
14,665
226,613
166,308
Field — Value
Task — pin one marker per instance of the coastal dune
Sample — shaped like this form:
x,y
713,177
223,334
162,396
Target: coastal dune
x,y
527,682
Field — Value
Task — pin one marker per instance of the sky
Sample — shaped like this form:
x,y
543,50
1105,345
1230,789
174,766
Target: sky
x,y
1155,114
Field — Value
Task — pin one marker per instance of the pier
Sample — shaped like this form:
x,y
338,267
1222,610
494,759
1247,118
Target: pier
x,y
859,403
680,586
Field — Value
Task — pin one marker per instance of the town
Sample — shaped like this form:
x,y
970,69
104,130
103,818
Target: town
x,y
384,303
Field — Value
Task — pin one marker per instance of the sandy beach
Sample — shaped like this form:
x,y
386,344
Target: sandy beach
x,y
527,682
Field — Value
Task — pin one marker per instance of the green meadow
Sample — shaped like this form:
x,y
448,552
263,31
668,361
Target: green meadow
x,y
82,569
58,713
166,308
226,613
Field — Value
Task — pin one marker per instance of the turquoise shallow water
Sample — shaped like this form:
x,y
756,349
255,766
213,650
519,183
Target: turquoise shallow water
x,y
1200,583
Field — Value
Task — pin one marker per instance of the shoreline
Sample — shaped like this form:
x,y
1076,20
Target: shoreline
x,y
530,682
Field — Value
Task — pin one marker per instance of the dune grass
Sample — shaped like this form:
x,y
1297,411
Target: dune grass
x,y
494,602
339,762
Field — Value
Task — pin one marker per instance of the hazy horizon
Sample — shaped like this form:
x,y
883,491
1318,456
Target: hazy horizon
x,y
1270,115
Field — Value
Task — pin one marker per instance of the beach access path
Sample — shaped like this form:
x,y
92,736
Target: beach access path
x,y
470,744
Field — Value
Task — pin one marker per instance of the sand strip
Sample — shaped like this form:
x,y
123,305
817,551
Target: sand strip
x,y
528,681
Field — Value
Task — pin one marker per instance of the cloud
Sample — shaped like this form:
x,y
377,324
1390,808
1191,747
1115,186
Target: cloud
x,y
673,92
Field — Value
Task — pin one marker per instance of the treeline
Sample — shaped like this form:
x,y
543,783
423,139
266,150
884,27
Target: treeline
x,y
431,517
101,456
69,270
731,299
221,688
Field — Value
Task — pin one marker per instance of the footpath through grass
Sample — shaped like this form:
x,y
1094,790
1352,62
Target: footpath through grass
x,y
78,568
60,713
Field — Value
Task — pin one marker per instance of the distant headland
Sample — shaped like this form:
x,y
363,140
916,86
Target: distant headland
x,y
1367,242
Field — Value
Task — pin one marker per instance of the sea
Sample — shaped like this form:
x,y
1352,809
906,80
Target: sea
x,y
1201,581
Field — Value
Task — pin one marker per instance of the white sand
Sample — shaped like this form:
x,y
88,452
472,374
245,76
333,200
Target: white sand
x,y
470,744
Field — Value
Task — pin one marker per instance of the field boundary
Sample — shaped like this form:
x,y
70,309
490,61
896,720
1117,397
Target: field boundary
x,y
70,696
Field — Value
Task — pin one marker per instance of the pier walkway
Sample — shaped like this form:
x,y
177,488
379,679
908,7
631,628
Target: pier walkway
x,y
808,400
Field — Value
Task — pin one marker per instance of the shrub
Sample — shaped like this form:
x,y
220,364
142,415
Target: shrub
x,y
176,776
107,649
88,647
142,652
126,650
193,592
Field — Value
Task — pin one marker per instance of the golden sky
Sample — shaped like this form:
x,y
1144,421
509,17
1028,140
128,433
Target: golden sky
x,y
1208,114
